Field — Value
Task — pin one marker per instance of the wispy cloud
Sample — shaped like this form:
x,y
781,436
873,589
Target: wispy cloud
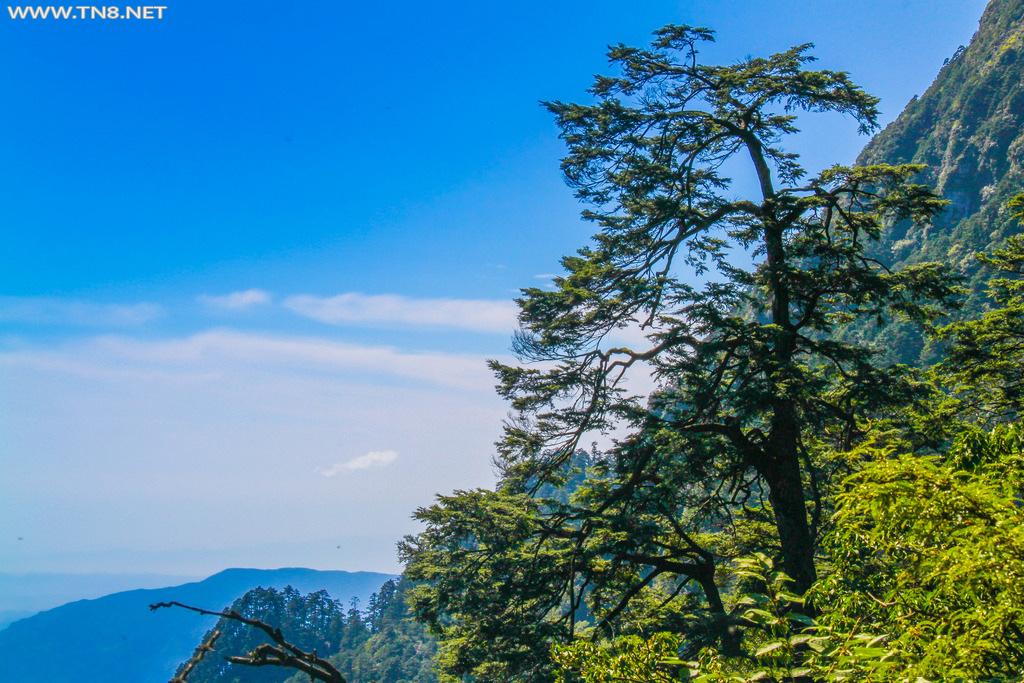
x,y
56,311
363,462
477,315
215,351
236,301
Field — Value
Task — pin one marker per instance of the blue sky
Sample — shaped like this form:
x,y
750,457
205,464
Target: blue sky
x,y
255,254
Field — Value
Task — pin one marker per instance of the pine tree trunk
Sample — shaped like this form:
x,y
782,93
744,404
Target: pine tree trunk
x,y
782,460
786,493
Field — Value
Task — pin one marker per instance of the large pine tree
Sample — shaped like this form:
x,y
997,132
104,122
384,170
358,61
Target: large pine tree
x,y
749,370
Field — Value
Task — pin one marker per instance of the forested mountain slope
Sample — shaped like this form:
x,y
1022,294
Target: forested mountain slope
x,y
968,129
380,644
117,638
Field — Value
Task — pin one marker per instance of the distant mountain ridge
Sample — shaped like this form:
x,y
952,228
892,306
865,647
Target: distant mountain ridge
x,y
24,594
117,638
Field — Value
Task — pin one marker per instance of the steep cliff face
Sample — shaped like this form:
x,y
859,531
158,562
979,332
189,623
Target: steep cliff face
x,y
968,128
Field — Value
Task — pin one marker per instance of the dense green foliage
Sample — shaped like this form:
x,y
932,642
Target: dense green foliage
x,y
987,354
312,621
929,551
781,643
380,644
926,583
397,649
924,563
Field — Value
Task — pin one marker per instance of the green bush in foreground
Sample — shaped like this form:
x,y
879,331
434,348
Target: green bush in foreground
x,y
926,583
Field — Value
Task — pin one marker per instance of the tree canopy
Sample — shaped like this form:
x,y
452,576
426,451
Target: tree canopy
x,y
751,385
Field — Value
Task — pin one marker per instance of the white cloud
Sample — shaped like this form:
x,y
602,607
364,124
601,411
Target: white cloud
x,y
236,301
207,354
55,311
478,315
363,462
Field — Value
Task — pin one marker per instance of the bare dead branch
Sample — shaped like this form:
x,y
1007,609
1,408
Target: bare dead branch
x,y
282,653
197,656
